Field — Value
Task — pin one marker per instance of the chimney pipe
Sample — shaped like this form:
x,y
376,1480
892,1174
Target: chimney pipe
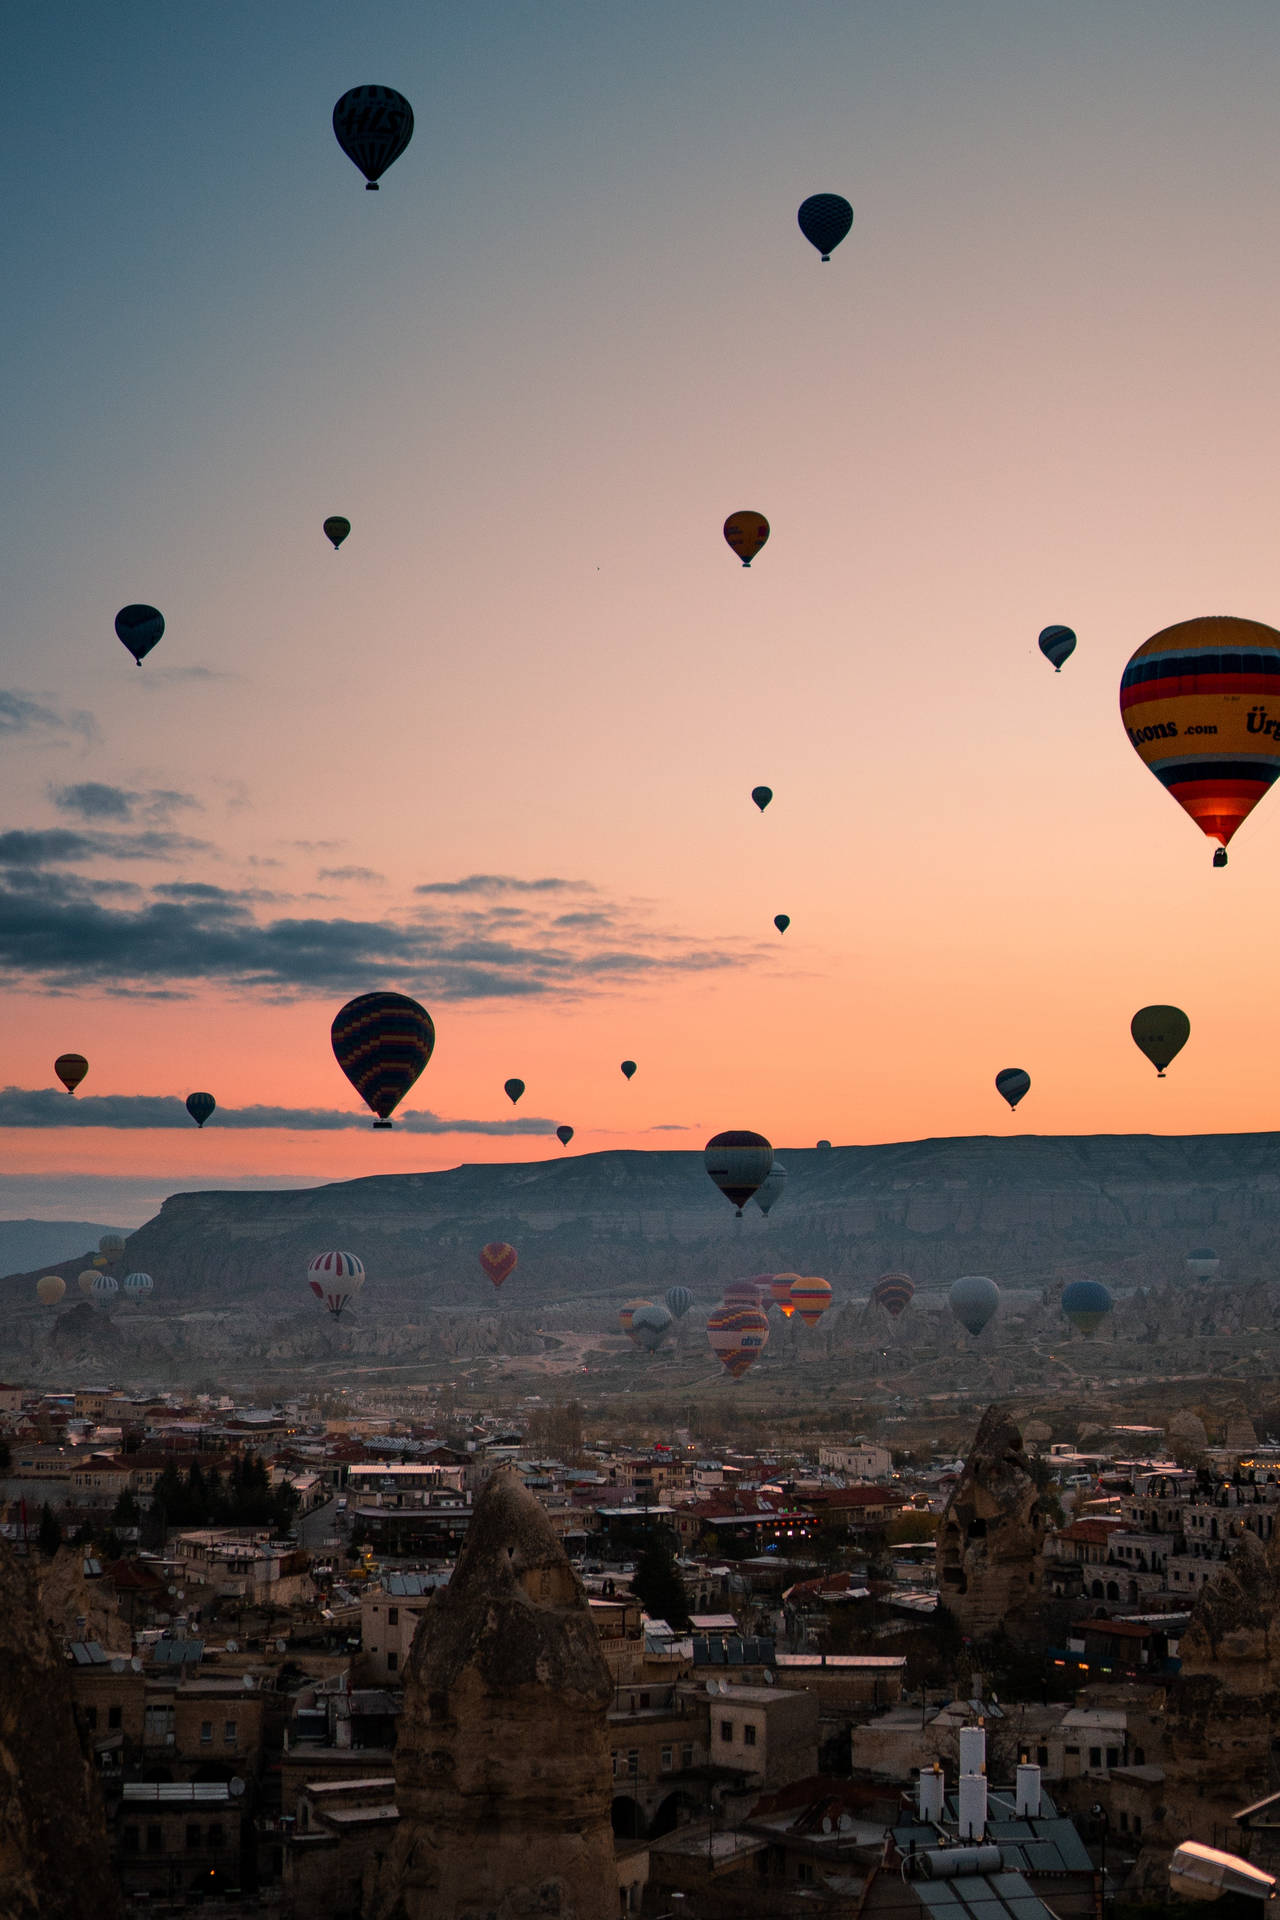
x,y
1027,1800
973,1806
932,1791
973,1749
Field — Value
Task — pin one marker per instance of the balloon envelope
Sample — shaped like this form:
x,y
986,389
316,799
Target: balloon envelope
x,y
738,1336
738,1163
782,921
810,1297
336,529
513,1089
139,627
200,1106
1160,1033
1195,703
373,126
893,1292
769,1192
111,1243
825,219
71,1069
973,1299
1012,1083
104,1285
780,1293
627,1314
1057,644
746,531
1086,1303
86,1279
649,1325
335,1278
678,1300
762,796
50,1288
137,1285
627,1069
382,1041
498,1260
564,1135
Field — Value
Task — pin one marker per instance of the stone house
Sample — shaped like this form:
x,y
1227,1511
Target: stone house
x,y
389,1616
767,1736
171,1840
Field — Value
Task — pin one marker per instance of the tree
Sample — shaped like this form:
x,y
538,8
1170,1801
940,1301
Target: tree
x,y
126,1512
49,1533
657,1585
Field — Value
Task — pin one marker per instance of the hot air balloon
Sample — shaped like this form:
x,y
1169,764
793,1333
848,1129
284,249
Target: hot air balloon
x,y
769,1192
823,1146
1012,1083
1160,1033
649,1326
973,1299
627,1069
86,1279
138,1285
50,1288
780,1293
893,1292
336,529
739,1163
71,1069
810,1297
105,1286
782,921
825,219
1202,1263
627,1314
101,1262
1086,1303
373,126
742,1293
139,627
564,1135
746,532
498,1260
200,1106
111,1243
382,1041
1194,703
679,1300
336,1279
1057,644
738,1336
762,796
513,1089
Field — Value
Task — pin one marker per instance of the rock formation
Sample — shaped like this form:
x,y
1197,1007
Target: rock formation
x,y
54,1859
991,1534
502,1761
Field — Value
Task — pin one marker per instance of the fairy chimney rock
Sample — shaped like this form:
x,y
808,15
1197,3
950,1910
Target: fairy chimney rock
x,y
991,1533
503,1775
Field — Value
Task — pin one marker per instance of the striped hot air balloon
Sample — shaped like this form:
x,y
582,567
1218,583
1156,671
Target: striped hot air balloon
x,y
382,1041
105,1286
71,1069
894,1292
628,1313
678,1301
741,1293
746,532
810,1297
739,1163
1011,1084
738,1337
373,125
780,1293
335,1278
649,1327
498,1260
138,1285
1057,644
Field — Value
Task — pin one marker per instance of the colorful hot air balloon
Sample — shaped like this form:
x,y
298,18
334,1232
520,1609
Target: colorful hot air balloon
x,y
739,1163
86,1279
200,1106
105,1286
742,1293
973,1299
769,1192
336,1279
894,1292
746,532
1057,644
1086,1303
649,1326
71,1069
780,1293
738,1336
627,1069
138,1285
382,1041
139,627
1012,1083
782,921
50,1288
336,529
627,1314
101,1262
810,1297
564,1135
373,126
1202,1263
825,219
1160,1033
1194,703
111,1243
679,1300
498,1260
513,1089
762,796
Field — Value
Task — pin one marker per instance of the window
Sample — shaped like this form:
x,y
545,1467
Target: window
x,y
666,1759
393,1661
193,1837
1095,1756
633,1761
726,1731
115,1716
1042,1756
644,1700
229,1733
1139,1756
155,1838
91,1719
686,1756
804,1873
748,1736
206,1731
393,1616
1137,1823
129,1839
1113,1756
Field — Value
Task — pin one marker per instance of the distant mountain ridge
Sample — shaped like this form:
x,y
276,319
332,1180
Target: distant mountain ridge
x,y
43,1243
1028,1209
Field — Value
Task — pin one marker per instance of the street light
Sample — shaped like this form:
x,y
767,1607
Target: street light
x,y
1205,1873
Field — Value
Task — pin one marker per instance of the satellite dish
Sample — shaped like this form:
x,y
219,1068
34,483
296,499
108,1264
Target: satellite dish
x,y
235,1786
117,1664
182,1593
282,1646
845,1823
136,1664
768,1679
173,1590
713,1686
247,1683
233,1646
826,1824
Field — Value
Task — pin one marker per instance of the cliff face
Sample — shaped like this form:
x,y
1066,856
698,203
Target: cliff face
x,y
990,1536
502,1760
54,1861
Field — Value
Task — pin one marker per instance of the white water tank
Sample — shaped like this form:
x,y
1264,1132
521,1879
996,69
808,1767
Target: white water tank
x,y
973,1749
973,1805
933,1787
1027,1793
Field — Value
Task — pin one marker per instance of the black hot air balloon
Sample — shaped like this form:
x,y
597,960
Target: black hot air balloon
x,y
139,627
336,529
382,1041
739,1164
825,218
1160,1033
1057,644
373,126
200,1106
762,796
627,1069
1012,1083
513,1089
782,921
564,1135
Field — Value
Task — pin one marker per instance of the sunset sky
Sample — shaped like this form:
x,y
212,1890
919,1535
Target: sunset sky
x,y
498,752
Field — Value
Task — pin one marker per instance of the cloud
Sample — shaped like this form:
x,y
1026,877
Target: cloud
x,y
353,874
41,1108
20,714
94,800
155,678
61,846
504,883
